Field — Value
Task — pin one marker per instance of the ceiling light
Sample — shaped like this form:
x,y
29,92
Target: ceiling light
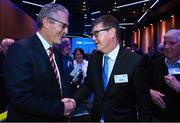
x,y
87,25
35,4
93,13
142,17
53,1
122,27
84,2
154,4
126,23
134,3
172,16
147,11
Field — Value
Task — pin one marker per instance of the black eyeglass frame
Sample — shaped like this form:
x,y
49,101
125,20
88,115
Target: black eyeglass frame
x,y
95,33
64,24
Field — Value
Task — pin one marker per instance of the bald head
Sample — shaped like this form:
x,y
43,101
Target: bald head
x,y
6,43
173,34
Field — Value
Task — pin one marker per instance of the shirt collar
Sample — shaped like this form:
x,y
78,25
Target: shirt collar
x,y
113,54
169,64
43,41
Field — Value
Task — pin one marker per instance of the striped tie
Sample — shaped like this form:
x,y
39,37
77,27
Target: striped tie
x,y
53,63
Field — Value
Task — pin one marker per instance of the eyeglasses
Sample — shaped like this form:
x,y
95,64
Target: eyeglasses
x,y
64,25
95,33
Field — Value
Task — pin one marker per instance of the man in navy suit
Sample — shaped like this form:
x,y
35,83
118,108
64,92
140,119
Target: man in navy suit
x,y
117,99
33,73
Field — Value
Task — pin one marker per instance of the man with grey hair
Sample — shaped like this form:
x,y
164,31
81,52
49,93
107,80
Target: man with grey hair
x,y
34,77
164,77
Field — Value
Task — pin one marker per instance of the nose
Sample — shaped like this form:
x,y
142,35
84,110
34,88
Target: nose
x,y
66,30
94,37
166,45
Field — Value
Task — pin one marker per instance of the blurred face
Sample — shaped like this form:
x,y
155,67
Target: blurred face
x,y
6,43
78,56
171,48
102,38
56,30
67,47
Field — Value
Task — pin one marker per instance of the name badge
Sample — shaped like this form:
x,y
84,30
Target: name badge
x,y
123,78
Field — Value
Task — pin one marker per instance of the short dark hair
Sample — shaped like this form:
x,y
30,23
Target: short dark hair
x,y
108,21
80,50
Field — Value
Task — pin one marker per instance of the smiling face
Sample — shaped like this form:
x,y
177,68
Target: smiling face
x,y
171,48
55,27
104,38
172,45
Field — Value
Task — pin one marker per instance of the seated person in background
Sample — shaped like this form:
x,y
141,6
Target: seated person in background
x,y
3,94
164,77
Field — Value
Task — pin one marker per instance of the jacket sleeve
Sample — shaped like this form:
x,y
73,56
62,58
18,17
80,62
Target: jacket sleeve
x,y
20,85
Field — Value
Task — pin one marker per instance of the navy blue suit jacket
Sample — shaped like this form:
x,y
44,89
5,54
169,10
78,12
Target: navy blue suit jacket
x,y
31,84
119,101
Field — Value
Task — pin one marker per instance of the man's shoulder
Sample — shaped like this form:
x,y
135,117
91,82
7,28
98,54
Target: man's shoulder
x,y
130,55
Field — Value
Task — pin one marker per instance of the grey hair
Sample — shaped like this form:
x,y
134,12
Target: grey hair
x,y
48,10
173,33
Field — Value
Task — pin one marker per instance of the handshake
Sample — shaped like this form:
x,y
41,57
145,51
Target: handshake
x,y
69,105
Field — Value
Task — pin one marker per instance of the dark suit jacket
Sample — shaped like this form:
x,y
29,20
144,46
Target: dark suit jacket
x,y
119,101
31,84
157,71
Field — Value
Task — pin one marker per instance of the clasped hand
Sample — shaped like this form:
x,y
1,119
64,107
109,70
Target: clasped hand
x,y
69,105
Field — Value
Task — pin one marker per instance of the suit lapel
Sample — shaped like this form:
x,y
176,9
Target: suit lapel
x,y
120,62
99,70
39,49
41,54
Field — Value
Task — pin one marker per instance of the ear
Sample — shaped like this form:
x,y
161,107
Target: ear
x,y
112,32
45,22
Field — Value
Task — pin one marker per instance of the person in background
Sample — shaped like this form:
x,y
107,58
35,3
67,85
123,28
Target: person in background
x,y
136,49
35,82
164,79
65,49
150,56
5,44
79,61
67,61
115,76
160,49
128,49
